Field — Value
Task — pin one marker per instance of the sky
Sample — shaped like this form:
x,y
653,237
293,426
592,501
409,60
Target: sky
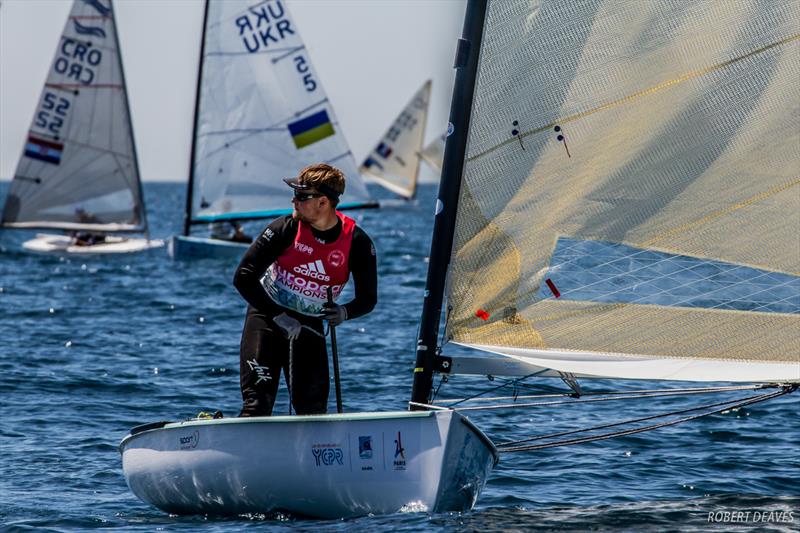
x,y
371,56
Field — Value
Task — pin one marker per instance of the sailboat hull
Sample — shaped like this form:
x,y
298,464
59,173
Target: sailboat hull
x,y
55,244
325,466
188,247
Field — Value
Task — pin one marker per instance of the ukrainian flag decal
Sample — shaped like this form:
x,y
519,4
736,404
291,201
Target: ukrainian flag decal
x,y
311,129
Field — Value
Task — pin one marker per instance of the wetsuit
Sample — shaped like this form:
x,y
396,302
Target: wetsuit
x,y
264,349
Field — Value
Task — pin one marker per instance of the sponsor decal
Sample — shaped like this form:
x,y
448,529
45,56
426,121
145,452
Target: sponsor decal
x,y
94,31
261,371
315,270
189,442
327,454
399,454
336,258
303,248
365,447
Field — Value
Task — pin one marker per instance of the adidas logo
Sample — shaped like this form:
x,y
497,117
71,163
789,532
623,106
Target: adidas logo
x,y
314,270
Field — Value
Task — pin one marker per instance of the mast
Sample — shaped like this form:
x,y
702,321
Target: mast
x,y
130,122
466,64
187,216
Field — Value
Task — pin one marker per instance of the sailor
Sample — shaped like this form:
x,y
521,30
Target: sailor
x,y
284,277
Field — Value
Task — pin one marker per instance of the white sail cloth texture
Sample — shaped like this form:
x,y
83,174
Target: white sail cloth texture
x,y
78,167
263,115
394,162
631,190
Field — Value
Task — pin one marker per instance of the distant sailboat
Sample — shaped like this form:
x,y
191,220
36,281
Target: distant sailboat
x,y
660,244
394,162
261,115
433,153
78,171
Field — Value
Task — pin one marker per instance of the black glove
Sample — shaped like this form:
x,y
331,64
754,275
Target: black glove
x,y
335,314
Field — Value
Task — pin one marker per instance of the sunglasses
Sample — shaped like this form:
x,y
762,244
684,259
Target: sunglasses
x,y
303,196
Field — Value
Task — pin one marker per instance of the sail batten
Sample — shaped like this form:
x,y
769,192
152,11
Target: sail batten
x,y
631,187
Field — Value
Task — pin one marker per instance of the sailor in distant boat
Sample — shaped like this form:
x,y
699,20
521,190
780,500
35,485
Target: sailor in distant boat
x,y
86,238
230,231
284,277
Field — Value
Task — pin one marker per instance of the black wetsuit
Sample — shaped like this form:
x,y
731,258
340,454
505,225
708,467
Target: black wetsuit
x,y
264,349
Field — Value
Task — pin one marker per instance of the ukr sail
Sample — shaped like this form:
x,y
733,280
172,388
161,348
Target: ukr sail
x,y
262,115
394,162
630,204
78,169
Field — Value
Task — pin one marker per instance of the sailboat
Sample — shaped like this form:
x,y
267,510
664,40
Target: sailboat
x,y
261,115
601,214
78,171
394,162
433,153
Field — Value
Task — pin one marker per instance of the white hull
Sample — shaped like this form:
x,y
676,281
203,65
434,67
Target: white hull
x,y
326,466
186,247
63,244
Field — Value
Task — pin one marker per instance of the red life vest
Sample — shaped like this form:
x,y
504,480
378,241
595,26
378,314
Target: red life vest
x,y
300,277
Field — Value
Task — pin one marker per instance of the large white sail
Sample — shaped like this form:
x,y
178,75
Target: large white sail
x,y
394,162
433,153
78,168
630,204
262,116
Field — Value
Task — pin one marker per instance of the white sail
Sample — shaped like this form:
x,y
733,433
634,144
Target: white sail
x,y
394,162
630,204
262,116
78,169
433,153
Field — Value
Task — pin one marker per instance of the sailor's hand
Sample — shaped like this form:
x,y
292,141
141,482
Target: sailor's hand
x,y
334,314
290,326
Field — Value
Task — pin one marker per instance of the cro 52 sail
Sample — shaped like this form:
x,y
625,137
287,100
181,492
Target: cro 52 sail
x,y
78,169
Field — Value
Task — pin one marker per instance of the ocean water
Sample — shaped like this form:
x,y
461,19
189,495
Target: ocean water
x,y
92,347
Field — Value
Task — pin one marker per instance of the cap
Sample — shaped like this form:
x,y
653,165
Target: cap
x,y
295,184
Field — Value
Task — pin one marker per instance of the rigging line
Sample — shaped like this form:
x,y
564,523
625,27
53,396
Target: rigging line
x,y
613,424
606,436
667,392
506,384
644,92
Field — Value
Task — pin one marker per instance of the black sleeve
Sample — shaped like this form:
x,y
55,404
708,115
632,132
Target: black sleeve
x,y
275,238
364,267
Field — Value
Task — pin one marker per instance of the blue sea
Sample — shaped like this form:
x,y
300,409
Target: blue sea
x,y
90,347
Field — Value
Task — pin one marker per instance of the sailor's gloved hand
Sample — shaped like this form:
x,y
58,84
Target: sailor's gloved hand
x,y
291,327
333,313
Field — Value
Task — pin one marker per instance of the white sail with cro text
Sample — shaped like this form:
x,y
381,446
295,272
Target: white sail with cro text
x,y
262,115
630,204
78,169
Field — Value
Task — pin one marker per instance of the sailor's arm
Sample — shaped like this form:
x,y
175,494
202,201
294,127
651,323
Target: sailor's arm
x,y
264,251
364,268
